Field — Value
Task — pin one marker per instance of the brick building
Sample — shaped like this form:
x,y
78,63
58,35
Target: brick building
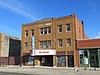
x,y
9,50
55,41
89,52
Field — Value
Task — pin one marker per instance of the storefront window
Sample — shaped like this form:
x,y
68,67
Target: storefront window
x,y
61,60
31,60
83,56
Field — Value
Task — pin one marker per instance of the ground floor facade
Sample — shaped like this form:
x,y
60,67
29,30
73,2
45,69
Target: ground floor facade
x,y
59,59
4,61
90,57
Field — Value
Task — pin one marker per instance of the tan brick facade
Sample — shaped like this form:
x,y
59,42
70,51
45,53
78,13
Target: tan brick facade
x,y
76,32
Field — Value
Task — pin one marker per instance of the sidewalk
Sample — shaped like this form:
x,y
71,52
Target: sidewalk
x,y
42,70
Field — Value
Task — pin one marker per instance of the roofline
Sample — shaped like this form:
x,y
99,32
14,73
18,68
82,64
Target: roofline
x,y
88,39
89,48
47,19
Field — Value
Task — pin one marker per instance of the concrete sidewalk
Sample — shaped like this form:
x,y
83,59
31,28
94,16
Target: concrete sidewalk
x,y
41,70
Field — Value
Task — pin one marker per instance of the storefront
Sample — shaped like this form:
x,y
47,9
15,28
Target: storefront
x,y
61,58
44,57
50,58
89,52
89,57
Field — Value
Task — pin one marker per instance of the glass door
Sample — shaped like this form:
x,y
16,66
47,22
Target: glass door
x,y
70,61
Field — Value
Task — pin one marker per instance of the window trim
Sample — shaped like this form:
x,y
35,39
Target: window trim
x,y
67,27
32,32
26,33
68,44
59,28
59,43
45,43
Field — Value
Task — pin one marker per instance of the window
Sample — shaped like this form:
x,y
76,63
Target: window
x,y
26,45
60,42
68,27
59,28
84,57
45,30
30,60
61,60
26,32
48,44
41,31
45,44
68,42
32,32
41,44
49,30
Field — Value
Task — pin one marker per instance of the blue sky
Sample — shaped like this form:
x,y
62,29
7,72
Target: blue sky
x,y
14,13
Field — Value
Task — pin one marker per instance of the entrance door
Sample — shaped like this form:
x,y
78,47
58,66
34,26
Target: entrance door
x,y
70,61
94,58
94,61
46,61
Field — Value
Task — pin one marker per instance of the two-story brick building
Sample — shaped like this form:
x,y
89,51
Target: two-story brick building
x,y
55,41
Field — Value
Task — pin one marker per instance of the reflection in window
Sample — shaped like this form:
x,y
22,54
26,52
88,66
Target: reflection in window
x,y
45,44
30,60
83,56
60,42
68,41
61,60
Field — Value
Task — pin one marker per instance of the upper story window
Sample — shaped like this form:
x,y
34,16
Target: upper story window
x,y
45,44
32,32
60,42
46,30
67,27
49,30
68,41
26,33
59,28
26,45
41,31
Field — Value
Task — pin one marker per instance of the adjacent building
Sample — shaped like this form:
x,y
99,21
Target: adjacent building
x,y
55,41
9,50
89,52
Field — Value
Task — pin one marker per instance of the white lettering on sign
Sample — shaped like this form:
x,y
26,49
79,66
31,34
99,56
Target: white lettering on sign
x,y
45,52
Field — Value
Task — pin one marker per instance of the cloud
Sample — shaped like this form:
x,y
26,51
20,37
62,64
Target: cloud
x,y
92,5
98,35
18,8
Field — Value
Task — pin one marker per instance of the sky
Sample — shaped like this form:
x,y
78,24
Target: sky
x,y
14,13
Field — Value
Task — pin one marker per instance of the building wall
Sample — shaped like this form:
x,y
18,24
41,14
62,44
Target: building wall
x,y
9,50
76,32
5,46
90,51
89,43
